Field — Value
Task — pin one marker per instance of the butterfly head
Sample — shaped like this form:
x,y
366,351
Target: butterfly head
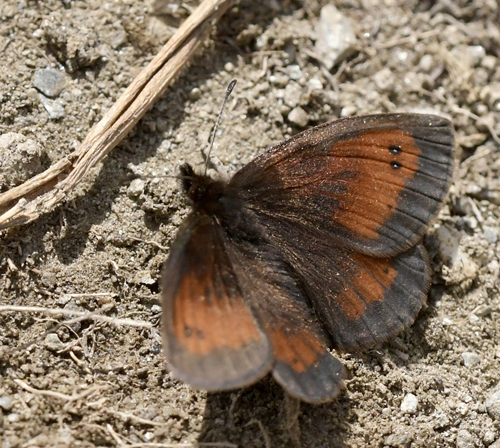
x,y
200,188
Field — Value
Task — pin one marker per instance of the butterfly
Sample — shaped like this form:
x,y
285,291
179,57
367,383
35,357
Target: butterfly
x,y
315,244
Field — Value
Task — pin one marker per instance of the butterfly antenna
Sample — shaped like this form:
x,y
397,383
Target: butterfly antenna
x,y
229,89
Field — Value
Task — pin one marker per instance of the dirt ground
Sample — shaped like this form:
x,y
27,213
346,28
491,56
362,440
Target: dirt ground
x,y
432,386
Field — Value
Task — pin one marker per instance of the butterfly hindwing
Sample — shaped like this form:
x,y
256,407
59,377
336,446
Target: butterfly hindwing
x,y
212,341
303,366
360,299
372,182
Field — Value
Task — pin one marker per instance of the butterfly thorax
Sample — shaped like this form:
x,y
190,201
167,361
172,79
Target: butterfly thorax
x,y
204,192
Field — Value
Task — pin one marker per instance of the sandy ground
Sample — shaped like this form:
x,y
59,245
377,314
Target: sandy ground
x,y
433,386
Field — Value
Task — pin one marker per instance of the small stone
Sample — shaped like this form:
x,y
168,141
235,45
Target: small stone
x,y
426,62
470,359
336,39
493,267
465,439
461,266
49,81
13,418
384,80
493,405
161,124
489,62
348,111
476,53
294,72
495,444
292,95
195,93
489,437
399,440
299,117
409,404
53,343
482,310
136,188
156,309
20,159
6,403
229,67
144,277
315,84
490,234
278,80
468,55
54,108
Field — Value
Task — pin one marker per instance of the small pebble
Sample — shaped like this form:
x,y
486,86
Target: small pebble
x,y
195,93
495,444
161,124
483,310
136,188
229,67
468,55
409,404
489,437
315,84
490,234
156,309
13,418
399,440
470,359
299,117
489,62
493,405
294,72
335,39
426,62
6,403
144,277
49,81
292,95
384,80
465,439
53,108
53,343
20,159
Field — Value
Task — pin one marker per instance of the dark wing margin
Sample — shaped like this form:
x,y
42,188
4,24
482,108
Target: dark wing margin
x,y
211,339
374,182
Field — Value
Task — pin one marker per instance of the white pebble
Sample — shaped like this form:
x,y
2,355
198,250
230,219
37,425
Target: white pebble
x,y
470,359
409,404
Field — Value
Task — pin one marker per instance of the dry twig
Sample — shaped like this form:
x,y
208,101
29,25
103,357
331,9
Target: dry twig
x,y
47,190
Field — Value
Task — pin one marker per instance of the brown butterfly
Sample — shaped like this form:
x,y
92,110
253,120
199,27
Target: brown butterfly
x,y
316,243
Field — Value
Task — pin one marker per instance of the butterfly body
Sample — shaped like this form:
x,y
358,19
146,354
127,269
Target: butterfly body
x,y
315,243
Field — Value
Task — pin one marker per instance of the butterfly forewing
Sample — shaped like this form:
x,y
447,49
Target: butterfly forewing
x,y
372,182
212,341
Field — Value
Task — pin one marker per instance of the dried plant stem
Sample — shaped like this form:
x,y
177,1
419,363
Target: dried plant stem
x,y
45,191
80,315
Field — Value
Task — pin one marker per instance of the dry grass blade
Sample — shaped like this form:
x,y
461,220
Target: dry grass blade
x,y
69,398
45,191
